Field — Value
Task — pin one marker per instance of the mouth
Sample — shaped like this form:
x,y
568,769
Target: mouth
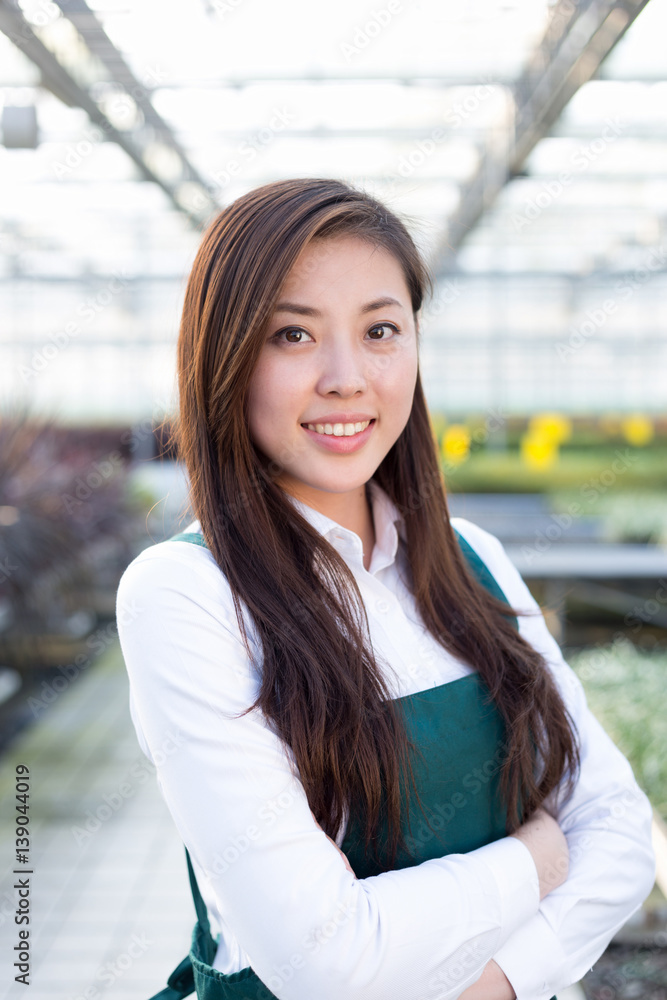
x,y
339,430
341,438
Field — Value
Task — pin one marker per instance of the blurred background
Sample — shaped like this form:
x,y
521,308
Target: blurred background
x,y
524,142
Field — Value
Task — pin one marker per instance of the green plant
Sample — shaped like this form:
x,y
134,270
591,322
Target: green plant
x,y
625,689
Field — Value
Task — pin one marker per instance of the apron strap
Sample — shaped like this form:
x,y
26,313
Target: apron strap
x,y
188,536
483,573
181,982
200,905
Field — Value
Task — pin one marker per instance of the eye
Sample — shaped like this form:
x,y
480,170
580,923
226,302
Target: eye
x,y
291,330
383,326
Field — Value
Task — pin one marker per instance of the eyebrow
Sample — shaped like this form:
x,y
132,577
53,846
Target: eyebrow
x,y
300,310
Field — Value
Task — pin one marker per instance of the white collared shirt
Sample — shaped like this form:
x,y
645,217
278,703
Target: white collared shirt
x,y
276,888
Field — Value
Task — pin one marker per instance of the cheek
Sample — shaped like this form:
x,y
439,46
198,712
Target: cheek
x,y
397,381
273,398
259,404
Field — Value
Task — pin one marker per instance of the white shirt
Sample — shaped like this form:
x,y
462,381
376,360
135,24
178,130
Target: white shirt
x,y
276,888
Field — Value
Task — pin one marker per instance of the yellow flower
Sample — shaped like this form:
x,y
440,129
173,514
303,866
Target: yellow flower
x,y
538,451
637,429
552,426
456,444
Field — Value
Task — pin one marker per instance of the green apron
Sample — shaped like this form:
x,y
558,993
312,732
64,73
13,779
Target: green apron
x,y
461,736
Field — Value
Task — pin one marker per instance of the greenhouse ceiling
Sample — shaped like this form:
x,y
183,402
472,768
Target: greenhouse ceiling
x,y
524,141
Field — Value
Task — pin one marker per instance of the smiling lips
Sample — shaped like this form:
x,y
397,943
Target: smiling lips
x,y
340,437
340,430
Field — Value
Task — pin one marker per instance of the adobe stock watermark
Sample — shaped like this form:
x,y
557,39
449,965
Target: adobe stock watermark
x,y
591,491
582,332
635,621
441,814
447,293
222,7
247,151
107,974
647,610
239,844
580,161
612,982
85,485
94,819
364,34
60,340
104,470
312,943
625,802
423,149
97,642
599,656
461,965
122,104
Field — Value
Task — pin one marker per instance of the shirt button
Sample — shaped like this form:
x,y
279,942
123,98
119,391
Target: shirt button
x,y
382,607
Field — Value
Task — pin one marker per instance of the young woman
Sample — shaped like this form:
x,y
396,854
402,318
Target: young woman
x,y
386,776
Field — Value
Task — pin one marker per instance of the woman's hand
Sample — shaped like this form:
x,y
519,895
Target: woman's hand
x,y
546,842
343,856
544,839
493,984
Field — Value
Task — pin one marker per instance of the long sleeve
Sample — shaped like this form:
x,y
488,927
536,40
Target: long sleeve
x,y
607,823
277,886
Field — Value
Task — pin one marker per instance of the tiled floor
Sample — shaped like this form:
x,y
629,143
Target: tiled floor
x,y
111,910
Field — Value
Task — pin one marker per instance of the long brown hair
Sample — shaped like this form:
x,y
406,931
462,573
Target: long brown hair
x,y
322,689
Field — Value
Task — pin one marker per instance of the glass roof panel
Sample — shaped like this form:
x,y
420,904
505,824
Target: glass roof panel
x,y
414,101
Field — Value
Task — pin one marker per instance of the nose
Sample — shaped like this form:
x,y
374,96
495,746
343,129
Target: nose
x,y
343,370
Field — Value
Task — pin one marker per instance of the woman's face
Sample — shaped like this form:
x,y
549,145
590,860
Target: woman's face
x,y
340,350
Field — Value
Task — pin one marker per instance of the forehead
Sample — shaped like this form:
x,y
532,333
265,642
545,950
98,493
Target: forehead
x,y
346,262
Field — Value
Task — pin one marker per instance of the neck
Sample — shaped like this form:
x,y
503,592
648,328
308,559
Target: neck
x,y
352,510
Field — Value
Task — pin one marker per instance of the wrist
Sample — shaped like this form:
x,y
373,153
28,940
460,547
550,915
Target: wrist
x,y
493,984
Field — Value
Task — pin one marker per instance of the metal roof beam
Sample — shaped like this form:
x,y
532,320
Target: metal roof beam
x,y
578,38
400,80
194,199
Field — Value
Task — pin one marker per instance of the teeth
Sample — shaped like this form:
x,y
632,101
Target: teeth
x,y
339,430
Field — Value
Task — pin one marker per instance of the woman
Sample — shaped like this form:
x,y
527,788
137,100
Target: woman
x,y
385,774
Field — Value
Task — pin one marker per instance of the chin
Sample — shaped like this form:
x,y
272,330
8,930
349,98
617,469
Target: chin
x,y
334,483
339,485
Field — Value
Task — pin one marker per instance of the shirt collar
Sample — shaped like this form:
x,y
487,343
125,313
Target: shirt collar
x,y
388,521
